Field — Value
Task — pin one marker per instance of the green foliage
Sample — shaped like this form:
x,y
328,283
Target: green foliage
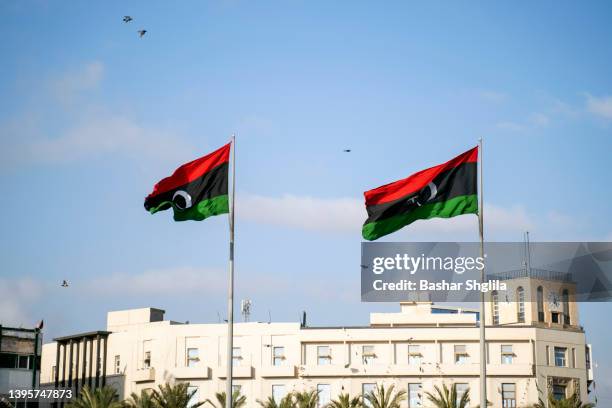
x,y
174,396
238,400
385,398
447,397
144,400
345,401
571,402
105,397
306,399
286,402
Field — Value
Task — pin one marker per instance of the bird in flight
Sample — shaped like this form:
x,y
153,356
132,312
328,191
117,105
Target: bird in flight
x,y
347,150
127,19
142,33
64,283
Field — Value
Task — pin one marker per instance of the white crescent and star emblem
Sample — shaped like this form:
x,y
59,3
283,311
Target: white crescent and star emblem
x,y
181,200
421,198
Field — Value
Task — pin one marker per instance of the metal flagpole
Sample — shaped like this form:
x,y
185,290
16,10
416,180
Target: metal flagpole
x,y
230,300
483,346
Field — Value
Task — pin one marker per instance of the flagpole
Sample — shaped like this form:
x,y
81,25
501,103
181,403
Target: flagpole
x,y
230,300
483,346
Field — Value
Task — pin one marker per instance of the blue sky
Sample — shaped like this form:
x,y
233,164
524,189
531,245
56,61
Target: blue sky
x,y
91,116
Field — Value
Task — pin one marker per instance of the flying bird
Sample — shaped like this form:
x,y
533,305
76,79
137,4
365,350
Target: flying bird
x,y
142,33
347,150
127,19
64,283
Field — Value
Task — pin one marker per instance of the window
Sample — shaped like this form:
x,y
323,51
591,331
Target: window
x,y
559,391
495,305
414,396
23,362
587,354
278,393
566,311
414,355
506,354
236,356
560,356
193,357
461,389
324,394
555,317
540,301
54,369
195,398
520,307
367,388
368,355
117,364
323,355
147,359
278,356
461,355
573,357
508,395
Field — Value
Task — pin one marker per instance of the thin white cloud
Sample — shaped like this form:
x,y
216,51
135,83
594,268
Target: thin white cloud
x,y
600,106
346,215
539,119
510,126
492,96
84,78
16,299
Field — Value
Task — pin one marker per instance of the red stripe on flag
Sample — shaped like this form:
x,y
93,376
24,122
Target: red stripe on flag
x,y
192,170
417,181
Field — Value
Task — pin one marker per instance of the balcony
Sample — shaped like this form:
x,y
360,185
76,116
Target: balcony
x,y
144,375
200,372
283,371
237,372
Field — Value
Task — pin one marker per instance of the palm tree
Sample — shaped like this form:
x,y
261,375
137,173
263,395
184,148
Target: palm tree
x,y
105,397
144,400
307,399
286,402
447,398
385,398
572,402
345,401
238,400
174,396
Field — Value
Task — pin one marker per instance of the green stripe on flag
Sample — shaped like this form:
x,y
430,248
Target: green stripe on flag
x,y
467,204
204,209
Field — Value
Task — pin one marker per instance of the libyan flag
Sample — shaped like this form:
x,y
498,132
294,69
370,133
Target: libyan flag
x,y
196,190
442,191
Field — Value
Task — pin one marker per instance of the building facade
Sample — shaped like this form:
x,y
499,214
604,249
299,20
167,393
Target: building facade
x,y
534,341
20,351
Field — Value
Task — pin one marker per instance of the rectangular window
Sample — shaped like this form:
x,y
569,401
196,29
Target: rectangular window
x,y
368,355
147,359
323,355
508,395
587,353
559,391
117,364
555,317
461,389
414,396
278,393
507,355
53,369
193,357
367,388
195,398
461,355
547,355
324,394
23,362
560,356
414,355
278,356
236,356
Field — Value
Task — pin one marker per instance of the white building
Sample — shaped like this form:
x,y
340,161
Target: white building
x,y
534,342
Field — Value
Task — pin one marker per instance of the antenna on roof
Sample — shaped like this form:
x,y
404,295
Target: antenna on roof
x,y
245,309
527,261
303,322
